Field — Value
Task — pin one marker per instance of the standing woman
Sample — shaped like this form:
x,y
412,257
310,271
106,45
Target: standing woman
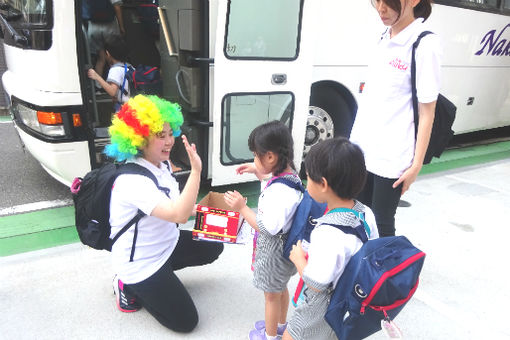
x,y
384,125
143,132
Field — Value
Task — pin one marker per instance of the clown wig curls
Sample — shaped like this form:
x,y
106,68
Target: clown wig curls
x,y
136,120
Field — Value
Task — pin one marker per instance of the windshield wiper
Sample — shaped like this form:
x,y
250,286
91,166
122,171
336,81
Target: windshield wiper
x,y
13,14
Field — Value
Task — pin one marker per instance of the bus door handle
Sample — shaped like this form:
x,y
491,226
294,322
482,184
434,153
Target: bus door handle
x,y
201,123
279,79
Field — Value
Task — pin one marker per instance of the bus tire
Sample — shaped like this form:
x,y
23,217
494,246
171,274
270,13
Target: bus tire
x,y
330,115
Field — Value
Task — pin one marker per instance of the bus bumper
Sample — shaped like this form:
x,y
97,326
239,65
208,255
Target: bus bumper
x,y
63,161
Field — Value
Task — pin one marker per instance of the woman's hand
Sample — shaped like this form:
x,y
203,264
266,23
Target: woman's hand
x,y
234,200
194,158
407,178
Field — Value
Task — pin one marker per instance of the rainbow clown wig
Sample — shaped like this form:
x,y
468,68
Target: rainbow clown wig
x,y
136,120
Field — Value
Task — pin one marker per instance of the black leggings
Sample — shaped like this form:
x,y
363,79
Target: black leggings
x,y
379,195
163,294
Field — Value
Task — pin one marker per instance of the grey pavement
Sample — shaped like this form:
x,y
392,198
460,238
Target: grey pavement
x,y
460,218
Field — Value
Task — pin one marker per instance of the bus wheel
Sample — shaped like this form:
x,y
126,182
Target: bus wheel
x,y
319,127
329,116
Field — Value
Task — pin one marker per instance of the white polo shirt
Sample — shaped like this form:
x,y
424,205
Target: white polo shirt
x,y
156,238
384,125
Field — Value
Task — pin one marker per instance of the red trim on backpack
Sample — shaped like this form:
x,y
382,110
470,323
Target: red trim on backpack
x,y
397,303
149,71
147,5
384,277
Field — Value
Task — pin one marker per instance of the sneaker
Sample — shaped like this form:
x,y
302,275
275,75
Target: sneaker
x,y
261,326
258,334
125,301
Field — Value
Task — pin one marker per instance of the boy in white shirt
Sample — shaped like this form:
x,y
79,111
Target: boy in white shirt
x,y
335,174
116,84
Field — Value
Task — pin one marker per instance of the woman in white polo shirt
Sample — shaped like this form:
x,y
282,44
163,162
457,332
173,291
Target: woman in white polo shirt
x,y
144,258
384,124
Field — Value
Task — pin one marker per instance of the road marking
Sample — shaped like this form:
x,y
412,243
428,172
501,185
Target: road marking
x,y
23,208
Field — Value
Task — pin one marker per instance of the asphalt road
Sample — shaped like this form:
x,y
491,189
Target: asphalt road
x,y
22,179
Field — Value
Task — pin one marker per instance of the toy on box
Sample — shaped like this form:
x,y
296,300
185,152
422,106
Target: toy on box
x,y
215,221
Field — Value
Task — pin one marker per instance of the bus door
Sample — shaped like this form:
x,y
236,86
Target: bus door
x,y
261,73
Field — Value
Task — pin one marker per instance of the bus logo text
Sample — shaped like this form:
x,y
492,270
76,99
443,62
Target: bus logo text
x,y
496,47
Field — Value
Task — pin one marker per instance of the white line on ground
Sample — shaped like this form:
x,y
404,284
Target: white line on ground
x,y
23,208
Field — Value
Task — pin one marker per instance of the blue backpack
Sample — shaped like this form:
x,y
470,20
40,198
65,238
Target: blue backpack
x,y
376,284
307,211
141,80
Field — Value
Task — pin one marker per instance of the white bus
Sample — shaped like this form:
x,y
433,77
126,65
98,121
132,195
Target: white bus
x,y
232,65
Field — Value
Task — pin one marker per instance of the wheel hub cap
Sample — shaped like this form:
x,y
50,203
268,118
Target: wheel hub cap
x,y
319,127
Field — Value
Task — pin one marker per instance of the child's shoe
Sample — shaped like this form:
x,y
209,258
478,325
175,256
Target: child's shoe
x,y
125,301
261,326
260,334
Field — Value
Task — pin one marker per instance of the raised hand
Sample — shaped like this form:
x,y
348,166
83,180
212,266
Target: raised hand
x,y
194,158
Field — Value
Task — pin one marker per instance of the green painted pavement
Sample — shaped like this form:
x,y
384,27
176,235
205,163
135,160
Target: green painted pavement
x,y
53,227
466,156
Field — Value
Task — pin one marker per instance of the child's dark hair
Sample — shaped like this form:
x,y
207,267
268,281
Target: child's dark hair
x,y
273,136
341,163
117,47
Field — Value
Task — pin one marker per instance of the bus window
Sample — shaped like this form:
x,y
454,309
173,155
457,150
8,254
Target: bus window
x,y
244,112
30,23
482,3
276,36
33,12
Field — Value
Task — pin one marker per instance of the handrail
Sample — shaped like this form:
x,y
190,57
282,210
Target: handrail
x,y
92,82
172,52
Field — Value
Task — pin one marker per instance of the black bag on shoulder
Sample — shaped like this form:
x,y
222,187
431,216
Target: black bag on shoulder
x,y
445,112
91,196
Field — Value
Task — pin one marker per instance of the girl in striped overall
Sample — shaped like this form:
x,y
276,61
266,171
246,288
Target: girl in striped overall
x,y
272,147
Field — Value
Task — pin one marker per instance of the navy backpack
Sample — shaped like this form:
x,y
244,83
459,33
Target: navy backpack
x,y
376,284
98,10
142,80
148,15
307,211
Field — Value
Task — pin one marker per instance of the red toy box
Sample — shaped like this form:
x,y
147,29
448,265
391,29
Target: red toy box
x,y
214,221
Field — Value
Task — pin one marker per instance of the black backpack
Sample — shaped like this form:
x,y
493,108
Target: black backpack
x,y
91,196
99,10
445,112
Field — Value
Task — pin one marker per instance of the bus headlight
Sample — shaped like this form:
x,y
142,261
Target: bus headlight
x,y
48,123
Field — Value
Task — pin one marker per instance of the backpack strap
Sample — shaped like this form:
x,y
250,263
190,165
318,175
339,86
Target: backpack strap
x,y
294,185
413,80
358,214
136,169
123,91
358,231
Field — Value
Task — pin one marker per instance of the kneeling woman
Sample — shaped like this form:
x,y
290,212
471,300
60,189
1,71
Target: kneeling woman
x,y
143,132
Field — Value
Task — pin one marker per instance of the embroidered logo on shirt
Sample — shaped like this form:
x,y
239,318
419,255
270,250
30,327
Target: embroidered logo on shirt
x,y
399,64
